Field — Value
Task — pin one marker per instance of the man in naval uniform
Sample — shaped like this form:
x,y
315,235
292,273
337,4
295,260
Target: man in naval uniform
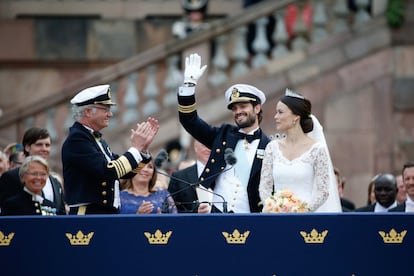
x,y
237,184
90,170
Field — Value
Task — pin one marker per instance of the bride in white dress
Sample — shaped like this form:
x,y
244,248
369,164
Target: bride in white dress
x,y
300,161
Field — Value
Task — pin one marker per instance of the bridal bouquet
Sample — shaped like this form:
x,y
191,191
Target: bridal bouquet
x,y
284,201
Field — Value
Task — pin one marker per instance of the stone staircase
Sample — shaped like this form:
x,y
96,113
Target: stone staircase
x,y
349,73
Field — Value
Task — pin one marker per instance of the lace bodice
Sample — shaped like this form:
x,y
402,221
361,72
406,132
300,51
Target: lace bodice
x,y
307,176
130,202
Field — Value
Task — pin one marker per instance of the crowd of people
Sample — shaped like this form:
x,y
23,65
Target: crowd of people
x,y
237,167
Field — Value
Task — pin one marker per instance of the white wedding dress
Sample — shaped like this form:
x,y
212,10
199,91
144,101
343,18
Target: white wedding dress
x,y
308,176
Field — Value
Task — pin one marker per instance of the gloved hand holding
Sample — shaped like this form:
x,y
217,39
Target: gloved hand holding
x,y
193,69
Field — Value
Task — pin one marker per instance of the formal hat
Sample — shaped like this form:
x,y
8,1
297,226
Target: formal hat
x,y
194,5
240,93
100,94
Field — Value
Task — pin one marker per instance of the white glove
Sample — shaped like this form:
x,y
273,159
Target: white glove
x,y
193,69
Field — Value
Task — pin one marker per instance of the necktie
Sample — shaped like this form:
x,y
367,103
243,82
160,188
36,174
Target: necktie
x,y
249,137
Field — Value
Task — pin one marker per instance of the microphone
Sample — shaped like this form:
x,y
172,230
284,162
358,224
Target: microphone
x,y
160,158
230,160
229,157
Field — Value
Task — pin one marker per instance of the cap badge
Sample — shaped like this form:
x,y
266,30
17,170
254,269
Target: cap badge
x,y
235,94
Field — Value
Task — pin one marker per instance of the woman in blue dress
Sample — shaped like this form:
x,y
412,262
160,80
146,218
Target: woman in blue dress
x,y
140,197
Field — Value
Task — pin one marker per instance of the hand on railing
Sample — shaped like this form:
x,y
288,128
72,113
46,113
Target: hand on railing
x,y
193,69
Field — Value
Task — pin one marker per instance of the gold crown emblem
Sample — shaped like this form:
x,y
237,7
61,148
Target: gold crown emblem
x,y
235,93
393,236
314,236
158,237
79,238
236,237
6,239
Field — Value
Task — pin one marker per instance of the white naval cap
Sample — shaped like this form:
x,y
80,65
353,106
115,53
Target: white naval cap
x,y
100,94
239,93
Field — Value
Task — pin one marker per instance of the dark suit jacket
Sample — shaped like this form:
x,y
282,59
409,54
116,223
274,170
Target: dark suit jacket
x,y
183,193
398,208
11,185
218,139
87,174
368,208
22,204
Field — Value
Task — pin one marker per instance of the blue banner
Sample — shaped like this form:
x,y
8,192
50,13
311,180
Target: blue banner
x,y
348,244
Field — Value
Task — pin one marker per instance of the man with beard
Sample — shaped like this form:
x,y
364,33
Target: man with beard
x,y
237,183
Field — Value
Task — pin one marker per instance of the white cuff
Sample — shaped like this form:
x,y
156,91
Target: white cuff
x,y
186,90
136,153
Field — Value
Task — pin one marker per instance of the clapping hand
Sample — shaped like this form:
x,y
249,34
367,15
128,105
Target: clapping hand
x,y
143,135
193,69
145,208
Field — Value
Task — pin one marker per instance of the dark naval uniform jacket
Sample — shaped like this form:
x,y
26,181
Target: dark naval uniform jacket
x,y
218,139
10,185
22,204
183,193
88,176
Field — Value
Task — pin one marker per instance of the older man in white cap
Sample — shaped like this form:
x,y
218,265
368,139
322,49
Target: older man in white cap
x,y
237,183
90,170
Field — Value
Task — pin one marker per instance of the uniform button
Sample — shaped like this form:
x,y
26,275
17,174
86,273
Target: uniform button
x,y
202,178
218,150
222,168
234,199
37,211
105,201
213,161
233,205
112,189
103,184
104,193
207,170
36,204
224,143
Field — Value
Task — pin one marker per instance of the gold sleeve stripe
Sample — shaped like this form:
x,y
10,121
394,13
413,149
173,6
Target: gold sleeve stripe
x,y
121,165
187,108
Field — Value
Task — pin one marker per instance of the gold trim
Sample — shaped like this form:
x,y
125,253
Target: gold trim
x,y
81,210
121,165
187,108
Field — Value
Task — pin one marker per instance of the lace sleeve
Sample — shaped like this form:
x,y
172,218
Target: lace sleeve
x,y
266,176
321,179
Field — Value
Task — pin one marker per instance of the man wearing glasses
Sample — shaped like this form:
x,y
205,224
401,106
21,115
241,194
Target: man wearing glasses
x,y
90,170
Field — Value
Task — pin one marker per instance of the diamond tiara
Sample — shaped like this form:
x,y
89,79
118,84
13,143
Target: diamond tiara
x,y
290,93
